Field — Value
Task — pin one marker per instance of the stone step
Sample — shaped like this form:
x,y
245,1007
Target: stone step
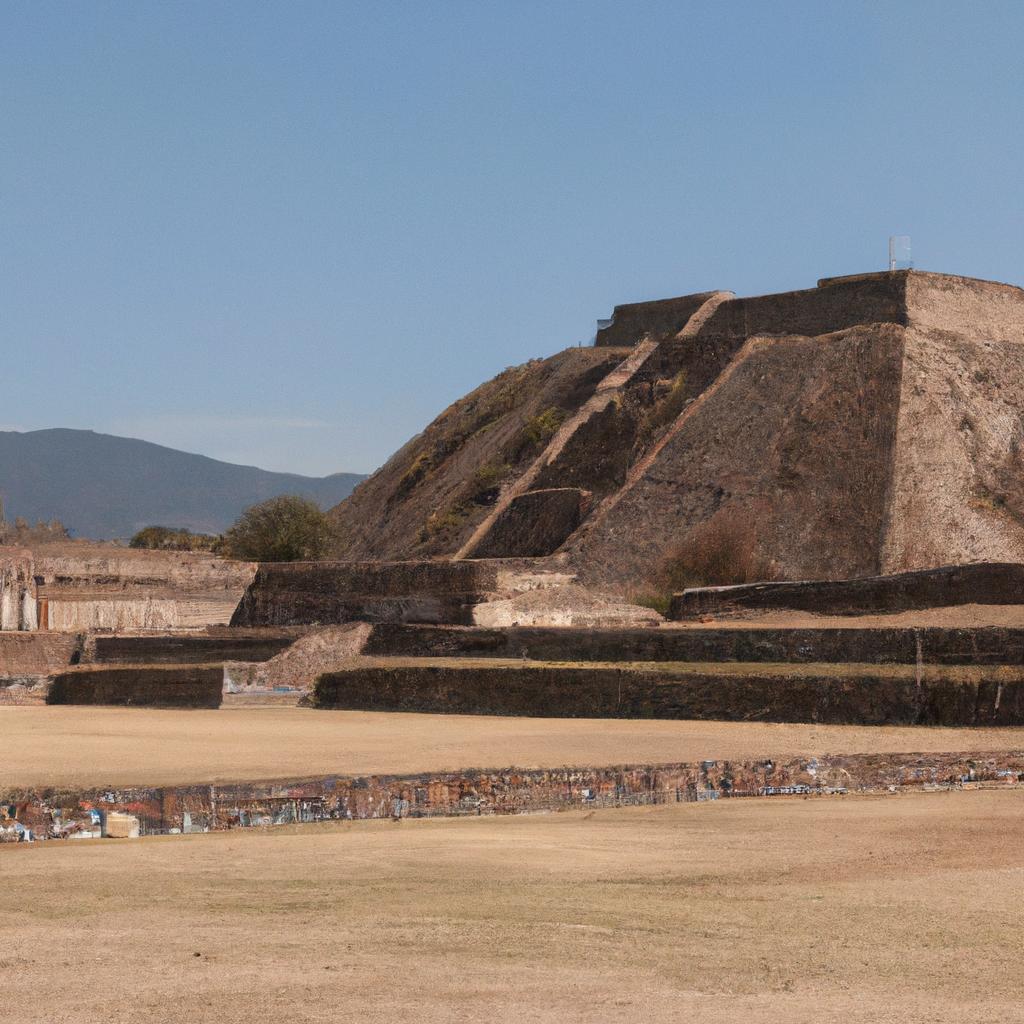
x,y
324,593
983,583
851,693
979,645
191,648
169,686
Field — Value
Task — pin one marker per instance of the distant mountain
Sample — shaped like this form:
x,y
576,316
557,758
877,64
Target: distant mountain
x,y
106,487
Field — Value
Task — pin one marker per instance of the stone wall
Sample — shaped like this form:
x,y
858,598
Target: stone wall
x,y
249,645
830,694
632,322
63,813
957,489
535,524
73,586
988,583
38,653
325,593
17,590
835,305
789,450
180,686
935,645
979,310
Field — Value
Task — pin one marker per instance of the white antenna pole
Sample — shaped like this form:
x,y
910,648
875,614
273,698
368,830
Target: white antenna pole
x,y
899,253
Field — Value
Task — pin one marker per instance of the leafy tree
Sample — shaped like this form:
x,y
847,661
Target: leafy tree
x,y
283,529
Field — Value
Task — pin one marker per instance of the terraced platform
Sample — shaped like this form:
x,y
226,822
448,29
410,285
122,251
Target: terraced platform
x,y
838,693
234,644
879,639
174,686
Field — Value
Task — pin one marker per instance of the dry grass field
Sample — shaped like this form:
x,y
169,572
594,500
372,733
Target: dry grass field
x,y
97,746
901,909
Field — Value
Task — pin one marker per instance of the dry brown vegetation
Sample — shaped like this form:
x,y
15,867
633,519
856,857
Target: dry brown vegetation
x,y
96,746
900,909
722,551
21,532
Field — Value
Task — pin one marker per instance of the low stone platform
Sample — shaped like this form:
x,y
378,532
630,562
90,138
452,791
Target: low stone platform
x,y
167,686
978,645
250,645
185,809
834,693
984,583
304,593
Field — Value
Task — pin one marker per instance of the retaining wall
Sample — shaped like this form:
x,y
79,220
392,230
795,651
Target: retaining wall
x,y
633,321
296,593
535,523
981,645
196,648
187,686
63,812
830,694
990,583
836,304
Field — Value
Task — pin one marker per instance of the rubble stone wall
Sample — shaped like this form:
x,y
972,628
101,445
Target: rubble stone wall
x,y
989,583
535,524
183,686
53,813
194,648
632,322
836,304
299,593
836,694
980,645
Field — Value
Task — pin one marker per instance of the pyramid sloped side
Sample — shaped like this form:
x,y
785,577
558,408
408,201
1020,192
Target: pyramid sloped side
x,y
429,497
793,443
983,310
958,471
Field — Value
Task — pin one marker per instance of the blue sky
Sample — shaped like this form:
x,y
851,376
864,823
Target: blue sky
x,y
289,234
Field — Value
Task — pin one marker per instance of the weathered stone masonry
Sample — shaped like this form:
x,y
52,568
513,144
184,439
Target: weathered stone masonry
x,y
53,813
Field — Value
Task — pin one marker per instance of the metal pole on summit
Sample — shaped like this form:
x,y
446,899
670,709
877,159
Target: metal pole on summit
x,y
899,253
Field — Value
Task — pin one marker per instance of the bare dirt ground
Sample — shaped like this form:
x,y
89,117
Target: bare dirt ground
x,y
900,909
86,746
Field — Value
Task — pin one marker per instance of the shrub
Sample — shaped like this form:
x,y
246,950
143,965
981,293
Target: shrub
x,y
284,529
485,482
538,430
22,532
722,551
667,409
166,538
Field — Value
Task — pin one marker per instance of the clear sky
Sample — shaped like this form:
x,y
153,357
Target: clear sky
x,y
289,234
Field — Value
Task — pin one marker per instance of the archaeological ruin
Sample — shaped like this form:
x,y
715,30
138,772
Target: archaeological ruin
x,y
796,508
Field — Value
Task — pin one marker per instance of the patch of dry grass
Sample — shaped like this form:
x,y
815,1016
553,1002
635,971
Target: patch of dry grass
x,y
98,746
898,909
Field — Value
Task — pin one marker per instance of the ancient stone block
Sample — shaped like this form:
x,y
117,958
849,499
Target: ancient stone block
x,y
179,686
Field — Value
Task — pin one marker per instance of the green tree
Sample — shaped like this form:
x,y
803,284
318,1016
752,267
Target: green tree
x,y
283,529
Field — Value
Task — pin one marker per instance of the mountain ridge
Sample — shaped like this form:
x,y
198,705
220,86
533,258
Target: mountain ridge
x,y
105,486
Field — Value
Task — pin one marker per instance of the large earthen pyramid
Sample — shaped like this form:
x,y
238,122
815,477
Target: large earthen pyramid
x,y
872,424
